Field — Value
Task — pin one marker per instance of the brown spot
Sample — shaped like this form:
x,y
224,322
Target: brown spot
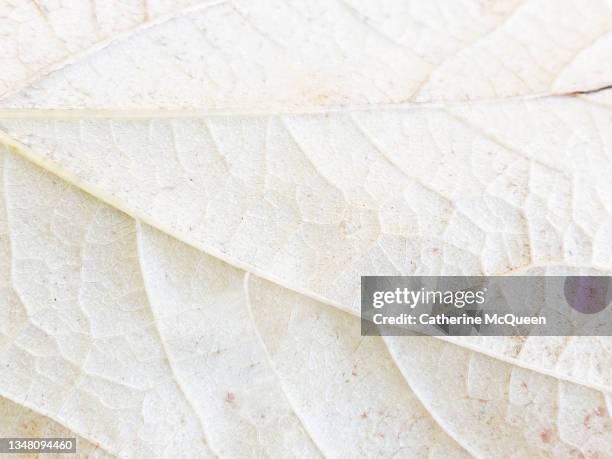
x,y
363,415
546,435
575,453
588,419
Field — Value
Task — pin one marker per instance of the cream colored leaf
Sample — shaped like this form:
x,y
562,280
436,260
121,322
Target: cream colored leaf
x,y
285,143
283,54
501,410
314,201
81,346
91,352
201,311
41,36
491,408
351,396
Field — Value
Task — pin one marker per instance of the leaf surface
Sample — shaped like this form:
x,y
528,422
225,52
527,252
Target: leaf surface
x,y
172,338
287,54
38,37
207,181
187,372
316,200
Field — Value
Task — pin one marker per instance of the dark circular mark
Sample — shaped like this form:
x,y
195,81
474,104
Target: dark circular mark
x,y
588,294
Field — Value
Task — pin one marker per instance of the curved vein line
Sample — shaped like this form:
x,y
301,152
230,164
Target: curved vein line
x,y
467,48
435,417
44,162
247,294
11,243
175,377
74,385
100,45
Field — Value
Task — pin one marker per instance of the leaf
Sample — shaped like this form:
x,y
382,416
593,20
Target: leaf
x,y
352,397
83,348
188,324
295,146
41,36
201,310
351,193
95,354
497,408
282,54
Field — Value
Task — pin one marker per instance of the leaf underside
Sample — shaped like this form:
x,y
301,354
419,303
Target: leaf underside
x,y
190,192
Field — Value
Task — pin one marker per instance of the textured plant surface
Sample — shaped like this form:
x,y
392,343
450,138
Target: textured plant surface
x,y
190,191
